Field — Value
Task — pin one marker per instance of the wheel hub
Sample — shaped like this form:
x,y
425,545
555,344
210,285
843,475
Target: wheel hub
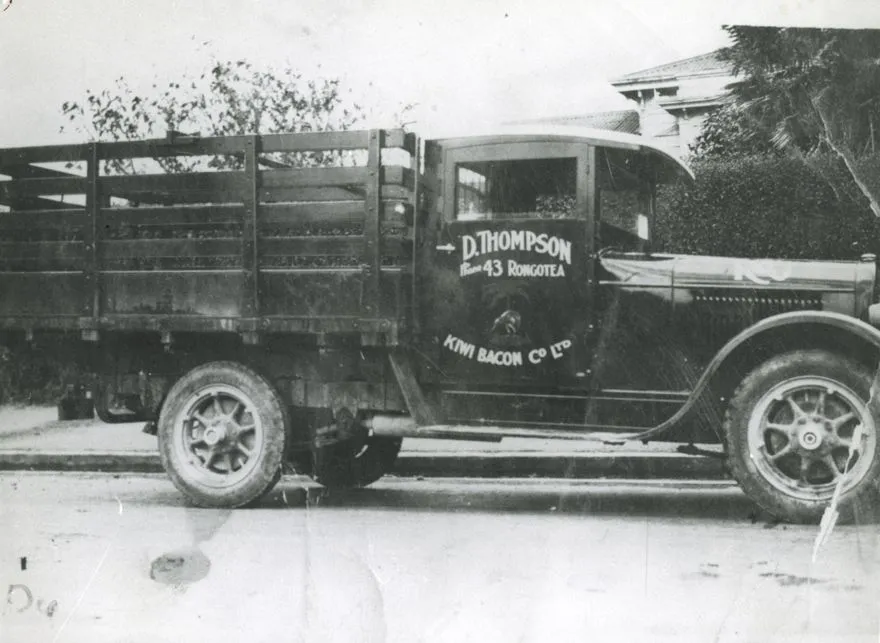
x,y
811,435
215,433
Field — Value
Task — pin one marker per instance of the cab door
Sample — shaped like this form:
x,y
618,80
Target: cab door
x,y
507,300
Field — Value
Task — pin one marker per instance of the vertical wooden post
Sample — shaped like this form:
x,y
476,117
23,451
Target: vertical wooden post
x,y
416,166
250,257
371,261
91,309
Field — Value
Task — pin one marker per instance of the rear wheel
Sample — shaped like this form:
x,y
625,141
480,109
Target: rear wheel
x,y
796,427
222,433
352,464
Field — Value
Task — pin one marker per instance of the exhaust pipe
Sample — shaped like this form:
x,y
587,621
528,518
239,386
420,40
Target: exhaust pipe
x,y
390,426
403,426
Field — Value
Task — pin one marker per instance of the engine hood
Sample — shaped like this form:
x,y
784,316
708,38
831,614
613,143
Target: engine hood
x,y
842,286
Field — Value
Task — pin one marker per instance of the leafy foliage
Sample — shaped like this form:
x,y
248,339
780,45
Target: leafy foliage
x,y
35,374
230,98
729,131
815,91
774,207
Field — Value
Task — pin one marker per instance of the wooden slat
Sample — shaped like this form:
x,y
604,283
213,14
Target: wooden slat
x,y
397,175
227,145
46,251
347,213
91,236
175,216
396,247
396,214
154,248
371,259
198,146
35,172
315,141
250,252
303,195
10,190
42,219
59,294
316,246
195,181
294,293
312,246
30,204
40,321
313,177
317,294
401,139
163,293
179,146
230,195
397,192
13,156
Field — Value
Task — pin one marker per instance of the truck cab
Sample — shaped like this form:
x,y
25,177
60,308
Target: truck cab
x,y
515,296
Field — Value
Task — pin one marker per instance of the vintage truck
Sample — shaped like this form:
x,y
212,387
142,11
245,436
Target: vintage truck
x,y
316,297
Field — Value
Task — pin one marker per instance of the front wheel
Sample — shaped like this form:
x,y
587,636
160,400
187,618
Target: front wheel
x,y
797,426
222,434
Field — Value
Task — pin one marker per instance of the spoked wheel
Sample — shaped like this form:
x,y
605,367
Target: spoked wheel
x,y
222,433
797,427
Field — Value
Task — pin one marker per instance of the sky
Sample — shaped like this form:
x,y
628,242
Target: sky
x,y
459,61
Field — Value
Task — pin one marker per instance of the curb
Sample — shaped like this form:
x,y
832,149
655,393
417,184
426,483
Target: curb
x,y
434,465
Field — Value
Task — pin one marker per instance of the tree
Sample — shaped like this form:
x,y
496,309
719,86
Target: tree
x,y
229,98
728,131
816,91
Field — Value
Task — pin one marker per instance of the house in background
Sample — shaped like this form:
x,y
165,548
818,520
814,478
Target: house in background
x,y
670,102
674,99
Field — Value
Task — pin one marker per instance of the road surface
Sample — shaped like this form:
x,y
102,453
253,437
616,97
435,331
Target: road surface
x,y
122,559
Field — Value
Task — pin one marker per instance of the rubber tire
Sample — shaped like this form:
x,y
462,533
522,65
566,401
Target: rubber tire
x,y
341,466
275,419
775,370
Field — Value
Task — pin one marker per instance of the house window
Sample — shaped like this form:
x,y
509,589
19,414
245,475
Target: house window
x,y
523,189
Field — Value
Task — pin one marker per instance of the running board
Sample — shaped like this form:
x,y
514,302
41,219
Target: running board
x,y
401,426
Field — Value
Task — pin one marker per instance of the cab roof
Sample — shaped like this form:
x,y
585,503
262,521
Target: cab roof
x,y
597,137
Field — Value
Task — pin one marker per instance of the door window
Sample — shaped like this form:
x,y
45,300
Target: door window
x,y
625,199
522,189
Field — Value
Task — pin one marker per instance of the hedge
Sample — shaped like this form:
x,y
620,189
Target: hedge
x,y
35,374
768,207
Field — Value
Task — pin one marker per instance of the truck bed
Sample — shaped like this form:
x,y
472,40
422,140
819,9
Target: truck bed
x,y
310,233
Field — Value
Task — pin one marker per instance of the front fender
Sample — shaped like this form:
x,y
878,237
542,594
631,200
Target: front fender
x,y
834,322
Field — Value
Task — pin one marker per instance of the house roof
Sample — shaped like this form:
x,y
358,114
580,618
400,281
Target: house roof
x,y
626,121
702,64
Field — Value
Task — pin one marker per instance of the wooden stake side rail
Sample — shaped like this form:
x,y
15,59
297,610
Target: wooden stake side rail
x,y
269,246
